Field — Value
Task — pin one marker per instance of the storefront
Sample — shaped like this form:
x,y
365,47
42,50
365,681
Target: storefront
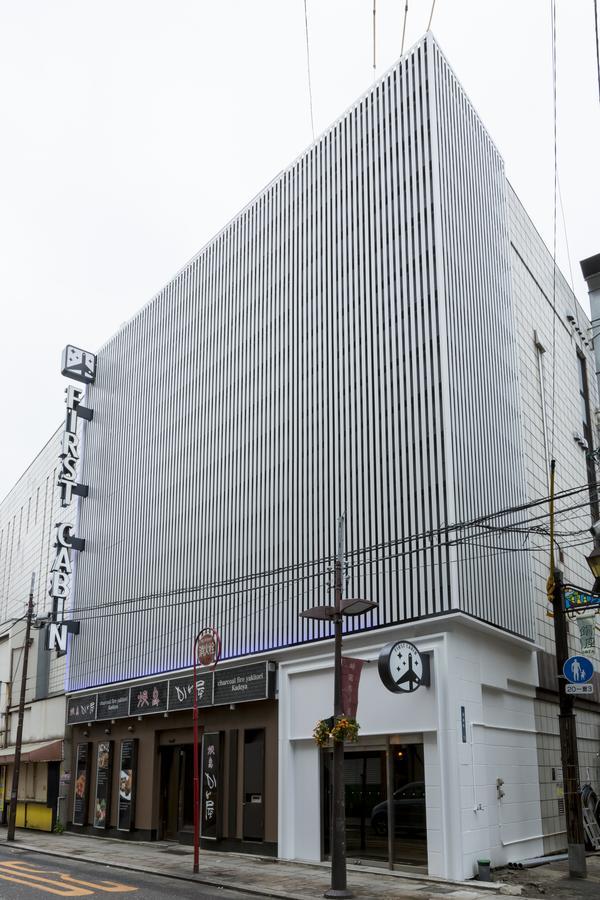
x,y
368,775
38,784
439,751
133,759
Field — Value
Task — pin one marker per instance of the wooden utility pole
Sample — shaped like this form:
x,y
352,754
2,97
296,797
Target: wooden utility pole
x,y
568,739
12,814
566,717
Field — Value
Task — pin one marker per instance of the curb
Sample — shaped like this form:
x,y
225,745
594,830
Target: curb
x,y
433,881
193,879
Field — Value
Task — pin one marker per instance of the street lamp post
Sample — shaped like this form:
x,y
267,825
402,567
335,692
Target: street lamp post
x,y
338,842
207,649
334,613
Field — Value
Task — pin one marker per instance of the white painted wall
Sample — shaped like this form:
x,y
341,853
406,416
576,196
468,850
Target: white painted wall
x,y
491,674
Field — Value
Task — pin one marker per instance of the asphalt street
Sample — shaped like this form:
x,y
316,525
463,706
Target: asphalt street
x,y
30,875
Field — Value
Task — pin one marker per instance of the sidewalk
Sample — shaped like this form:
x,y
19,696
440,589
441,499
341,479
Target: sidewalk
x,y
552,880
254,875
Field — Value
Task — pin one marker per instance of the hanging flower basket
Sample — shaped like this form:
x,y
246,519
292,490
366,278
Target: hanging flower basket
x,y
339,730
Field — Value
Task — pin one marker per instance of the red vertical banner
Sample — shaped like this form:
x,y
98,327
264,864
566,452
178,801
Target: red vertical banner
x,y
351,669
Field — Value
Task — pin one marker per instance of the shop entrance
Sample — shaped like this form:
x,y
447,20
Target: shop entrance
x,y
365,778
177,793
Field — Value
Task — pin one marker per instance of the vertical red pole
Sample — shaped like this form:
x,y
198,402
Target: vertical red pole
x,y
196,769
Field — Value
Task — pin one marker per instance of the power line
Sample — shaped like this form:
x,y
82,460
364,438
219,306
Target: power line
x,y
239,582
287,583
362,565
323,627
562,212
553,16
431,16
374,40
404,27
597,43
310,98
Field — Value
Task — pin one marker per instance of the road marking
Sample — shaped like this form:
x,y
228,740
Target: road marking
x,y
107,887
63,884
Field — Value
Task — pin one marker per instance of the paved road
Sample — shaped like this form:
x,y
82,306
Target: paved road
x,y
29,875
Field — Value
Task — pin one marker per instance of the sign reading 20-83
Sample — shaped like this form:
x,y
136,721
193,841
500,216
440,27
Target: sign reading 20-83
x,y
402,668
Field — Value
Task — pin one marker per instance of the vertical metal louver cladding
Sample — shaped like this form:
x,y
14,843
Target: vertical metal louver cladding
x,y
486,461
291,371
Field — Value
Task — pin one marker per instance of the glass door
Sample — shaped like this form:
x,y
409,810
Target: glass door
x,y
365,779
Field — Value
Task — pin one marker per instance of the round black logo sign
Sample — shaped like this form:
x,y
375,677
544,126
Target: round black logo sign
x,y
401,667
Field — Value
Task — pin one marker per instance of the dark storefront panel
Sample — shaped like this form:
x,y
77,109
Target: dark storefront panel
x,y
163,789
254,784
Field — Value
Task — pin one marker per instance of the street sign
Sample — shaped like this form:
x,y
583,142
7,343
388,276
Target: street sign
x,y
208,647
578,669
576,598
579,689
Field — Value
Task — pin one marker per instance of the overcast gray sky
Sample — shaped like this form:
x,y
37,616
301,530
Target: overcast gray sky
x,y
132,130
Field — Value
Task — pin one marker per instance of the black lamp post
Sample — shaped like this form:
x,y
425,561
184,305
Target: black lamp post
x,y
333,614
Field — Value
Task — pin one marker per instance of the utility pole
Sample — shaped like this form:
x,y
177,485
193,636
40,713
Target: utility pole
x,y
568,739
338,823
12,814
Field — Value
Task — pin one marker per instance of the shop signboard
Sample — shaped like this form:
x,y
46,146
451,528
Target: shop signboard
x,y
103,784
113,704
211,796
578,598
255,681
80,796
181,691
403,668
251,682
81,366
127,784
81,709
147,698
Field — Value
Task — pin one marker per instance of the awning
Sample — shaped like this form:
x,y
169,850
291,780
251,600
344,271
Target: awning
x,y
45,751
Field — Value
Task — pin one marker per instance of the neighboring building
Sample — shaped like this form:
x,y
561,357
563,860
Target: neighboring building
x,y
27,517
551,325
364,337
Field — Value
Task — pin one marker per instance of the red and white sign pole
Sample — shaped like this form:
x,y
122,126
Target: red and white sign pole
x,y
207,649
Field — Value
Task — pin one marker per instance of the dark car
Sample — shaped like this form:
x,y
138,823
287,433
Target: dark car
x,y
409,810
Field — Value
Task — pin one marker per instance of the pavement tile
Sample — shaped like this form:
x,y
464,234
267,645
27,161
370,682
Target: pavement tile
x,y
256,875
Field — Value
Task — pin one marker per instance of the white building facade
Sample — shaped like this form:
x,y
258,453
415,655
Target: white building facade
x,y
368,336
27,547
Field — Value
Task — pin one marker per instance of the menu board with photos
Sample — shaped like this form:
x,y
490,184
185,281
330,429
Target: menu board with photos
x,y
81,790
127,784
103,784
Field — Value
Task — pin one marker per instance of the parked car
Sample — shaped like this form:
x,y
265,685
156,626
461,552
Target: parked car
x,y
409,810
